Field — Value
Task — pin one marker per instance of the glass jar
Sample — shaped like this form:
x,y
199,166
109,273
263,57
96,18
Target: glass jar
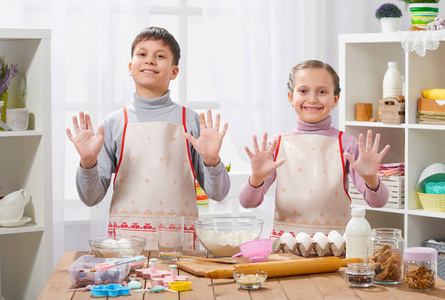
x,y
385,250
359,274
420,268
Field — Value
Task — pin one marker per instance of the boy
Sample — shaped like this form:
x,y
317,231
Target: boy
x,y
147,146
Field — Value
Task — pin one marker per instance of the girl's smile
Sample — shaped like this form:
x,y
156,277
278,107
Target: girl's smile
x,y
313,95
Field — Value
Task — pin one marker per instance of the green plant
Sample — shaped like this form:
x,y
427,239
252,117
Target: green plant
x,y
388,10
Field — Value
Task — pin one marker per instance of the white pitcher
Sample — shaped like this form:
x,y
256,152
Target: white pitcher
x,y
17,198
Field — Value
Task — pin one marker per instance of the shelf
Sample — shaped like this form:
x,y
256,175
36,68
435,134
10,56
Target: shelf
x,y
22,229
21,133
363,63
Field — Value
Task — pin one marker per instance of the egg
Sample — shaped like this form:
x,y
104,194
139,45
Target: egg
x,y
344,237
337,239
288,239
126,248
321,239
332,233
304,239
110,243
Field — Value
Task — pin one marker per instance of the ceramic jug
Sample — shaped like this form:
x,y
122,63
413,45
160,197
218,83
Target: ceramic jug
x,y
17,198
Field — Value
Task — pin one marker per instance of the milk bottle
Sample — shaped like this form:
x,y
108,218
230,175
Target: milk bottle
x,y
357,233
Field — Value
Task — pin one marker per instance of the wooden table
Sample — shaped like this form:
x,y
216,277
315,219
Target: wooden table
x,y
316,286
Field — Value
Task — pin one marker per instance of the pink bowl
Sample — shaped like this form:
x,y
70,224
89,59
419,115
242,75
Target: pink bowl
x,y
257,250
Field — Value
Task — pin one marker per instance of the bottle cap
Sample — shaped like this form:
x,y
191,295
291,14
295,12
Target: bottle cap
x,y
421,254
392,64
358,212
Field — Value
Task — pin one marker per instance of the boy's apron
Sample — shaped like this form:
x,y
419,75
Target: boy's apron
x,y
310,194
154,177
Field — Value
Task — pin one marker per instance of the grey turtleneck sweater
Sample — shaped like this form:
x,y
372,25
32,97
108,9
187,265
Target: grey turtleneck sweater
x,y
92,184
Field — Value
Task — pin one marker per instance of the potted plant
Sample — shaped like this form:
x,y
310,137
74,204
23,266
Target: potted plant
x,y
422,11
389,15
7,72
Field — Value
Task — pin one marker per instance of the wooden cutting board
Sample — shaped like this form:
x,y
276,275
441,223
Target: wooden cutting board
x,y
199,268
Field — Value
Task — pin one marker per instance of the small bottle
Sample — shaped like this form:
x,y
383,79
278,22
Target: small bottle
x,y
420,268
357,233
392,81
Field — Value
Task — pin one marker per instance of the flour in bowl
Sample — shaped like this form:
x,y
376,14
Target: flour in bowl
x,y
225,244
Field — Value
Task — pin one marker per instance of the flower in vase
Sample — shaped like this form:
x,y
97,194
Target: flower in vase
x,y
7,72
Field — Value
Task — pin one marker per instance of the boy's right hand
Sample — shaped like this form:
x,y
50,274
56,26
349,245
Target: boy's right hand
x,y
262,161
87,144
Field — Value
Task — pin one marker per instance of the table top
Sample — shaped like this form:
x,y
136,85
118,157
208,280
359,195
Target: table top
x,y
314,286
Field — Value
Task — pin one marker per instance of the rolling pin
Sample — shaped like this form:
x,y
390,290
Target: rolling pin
x,y
287,267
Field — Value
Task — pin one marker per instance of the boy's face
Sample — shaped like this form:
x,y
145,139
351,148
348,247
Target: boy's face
x,y
313,95
152,68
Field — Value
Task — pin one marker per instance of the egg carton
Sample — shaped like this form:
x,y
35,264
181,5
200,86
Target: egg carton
x,y
314,247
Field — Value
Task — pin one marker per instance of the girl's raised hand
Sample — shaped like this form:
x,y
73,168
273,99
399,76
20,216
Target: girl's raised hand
x,y
87,144
369,160
261,161
210,140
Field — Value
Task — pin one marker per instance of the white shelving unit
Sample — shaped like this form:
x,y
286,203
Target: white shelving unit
x,y
26,259
363,63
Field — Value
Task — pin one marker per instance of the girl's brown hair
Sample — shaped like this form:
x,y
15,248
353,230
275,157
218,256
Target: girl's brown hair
x,y
313,64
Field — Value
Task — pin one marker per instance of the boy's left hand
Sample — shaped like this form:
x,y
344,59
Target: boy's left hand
x,y
369,160
209,142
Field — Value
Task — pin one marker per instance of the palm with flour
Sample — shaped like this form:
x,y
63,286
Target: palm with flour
x,y
87,143
262,161
369,160
210,139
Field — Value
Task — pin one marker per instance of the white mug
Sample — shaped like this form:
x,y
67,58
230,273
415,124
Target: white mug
x,y
11,213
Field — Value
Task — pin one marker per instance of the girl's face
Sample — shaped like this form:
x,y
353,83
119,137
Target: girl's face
x,y
313,95
152,68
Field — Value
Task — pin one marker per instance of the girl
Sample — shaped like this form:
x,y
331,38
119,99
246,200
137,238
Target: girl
x,y
311,172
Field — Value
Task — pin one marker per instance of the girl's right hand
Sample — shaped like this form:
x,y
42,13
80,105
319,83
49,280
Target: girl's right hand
x,y
262,161
87,144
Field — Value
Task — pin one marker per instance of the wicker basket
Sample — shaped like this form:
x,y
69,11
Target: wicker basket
x,y
440,257
432,202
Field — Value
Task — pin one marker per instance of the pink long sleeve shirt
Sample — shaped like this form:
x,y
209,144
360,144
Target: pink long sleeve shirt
x,y
251,197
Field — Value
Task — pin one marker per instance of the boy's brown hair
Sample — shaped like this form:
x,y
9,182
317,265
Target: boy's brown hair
x,y
158,33
312,64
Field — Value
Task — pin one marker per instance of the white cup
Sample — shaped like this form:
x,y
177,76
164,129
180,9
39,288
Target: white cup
x,y
17,118
11,213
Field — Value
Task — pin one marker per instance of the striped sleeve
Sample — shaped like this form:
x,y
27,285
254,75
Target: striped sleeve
x,y
377,198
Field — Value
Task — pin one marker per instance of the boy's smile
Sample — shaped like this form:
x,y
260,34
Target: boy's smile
x,y
152,68
313,95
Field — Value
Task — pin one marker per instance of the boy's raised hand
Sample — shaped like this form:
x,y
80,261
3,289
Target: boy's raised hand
x,y
369,160
210,140
87,144
261,161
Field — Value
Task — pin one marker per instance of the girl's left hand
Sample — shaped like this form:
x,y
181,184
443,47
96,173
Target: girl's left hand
x,y
209,142
369,160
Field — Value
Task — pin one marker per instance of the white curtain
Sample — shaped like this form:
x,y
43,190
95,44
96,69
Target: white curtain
x,y
253,44
251,47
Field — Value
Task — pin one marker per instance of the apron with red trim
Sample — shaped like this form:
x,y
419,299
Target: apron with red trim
x,y
310,193
154,177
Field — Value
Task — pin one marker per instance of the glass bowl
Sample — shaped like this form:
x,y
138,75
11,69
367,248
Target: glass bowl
x,y
359,274
222,236
117,246
250,280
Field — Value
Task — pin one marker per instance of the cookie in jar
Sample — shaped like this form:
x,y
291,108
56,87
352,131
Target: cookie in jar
x,y
385,250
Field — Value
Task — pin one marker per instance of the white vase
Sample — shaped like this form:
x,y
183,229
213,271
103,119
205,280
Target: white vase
x,y
389,24
17,118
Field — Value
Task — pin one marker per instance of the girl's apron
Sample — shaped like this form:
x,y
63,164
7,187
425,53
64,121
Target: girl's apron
x,y
154,177
310,194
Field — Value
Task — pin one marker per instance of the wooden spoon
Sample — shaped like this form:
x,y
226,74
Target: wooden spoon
x,y
216,260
